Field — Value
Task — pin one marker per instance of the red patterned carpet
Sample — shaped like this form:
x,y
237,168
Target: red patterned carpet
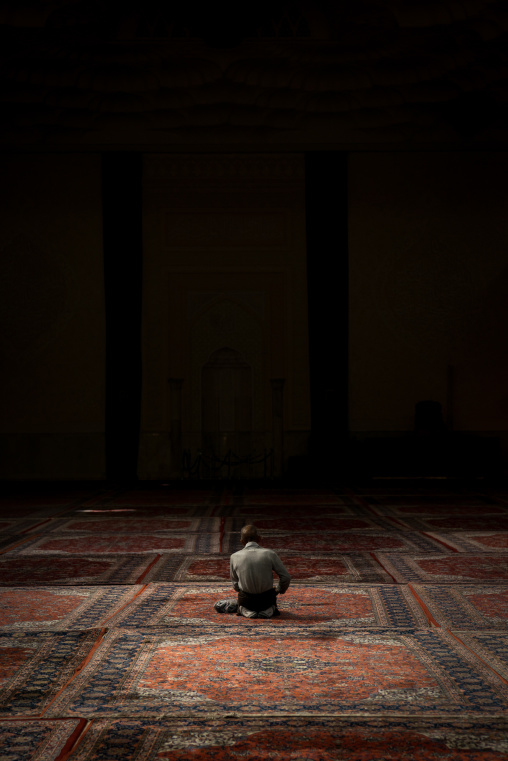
x,y
392,641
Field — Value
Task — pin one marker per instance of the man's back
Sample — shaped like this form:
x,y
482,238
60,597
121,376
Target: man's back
x,y
252,570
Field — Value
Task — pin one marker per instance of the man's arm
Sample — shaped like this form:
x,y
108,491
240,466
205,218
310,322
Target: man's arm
x,y
234,576
282,573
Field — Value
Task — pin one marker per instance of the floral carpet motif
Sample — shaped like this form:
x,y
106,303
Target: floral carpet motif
x,y
36,666
59,608
33,740
353,567
367,541
309,738
118,543
458,568
37,570
363,606
170,672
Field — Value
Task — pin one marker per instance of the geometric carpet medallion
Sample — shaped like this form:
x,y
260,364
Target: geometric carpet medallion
x,y
353,567
309,738
251,670
363,606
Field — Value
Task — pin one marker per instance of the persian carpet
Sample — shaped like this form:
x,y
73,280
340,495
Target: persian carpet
x,y
359,606
436,500
309,738
37,570
161,672
445,568
307,523
125,524
248,512
59,608
38,740
474,541
77,544
35,666
429,510
465,606
294,498
353,567
491,647
366,541
456,523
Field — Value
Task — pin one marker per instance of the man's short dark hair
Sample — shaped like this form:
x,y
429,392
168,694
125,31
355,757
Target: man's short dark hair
x,y
249,533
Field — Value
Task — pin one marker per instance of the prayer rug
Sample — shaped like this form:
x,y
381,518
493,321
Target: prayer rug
x,y
367,541
21,525
474,541
118,543
310,738
61,608
440,511
491,647
262,669
359,606
36,666
33,740
354,567
295,498
11,541
33,571
465,606
124,524
249,512
457,523
432,499
445,568
307,523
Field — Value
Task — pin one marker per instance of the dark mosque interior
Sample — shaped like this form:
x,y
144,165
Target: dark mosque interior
x,y
254,267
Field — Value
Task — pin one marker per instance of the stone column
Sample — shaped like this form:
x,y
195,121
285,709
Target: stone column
x,y
175,431
277,385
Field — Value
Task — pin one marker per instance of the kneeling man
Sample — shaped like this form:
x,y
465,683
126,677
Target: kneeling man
x,y
252,576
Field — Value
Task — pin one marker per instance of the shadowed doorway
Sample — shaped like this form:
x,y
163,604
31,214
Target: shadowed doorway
x,y
226,394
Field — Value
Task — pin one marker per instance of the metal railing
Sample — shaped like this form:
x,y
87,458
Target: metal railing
x,y
208,465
